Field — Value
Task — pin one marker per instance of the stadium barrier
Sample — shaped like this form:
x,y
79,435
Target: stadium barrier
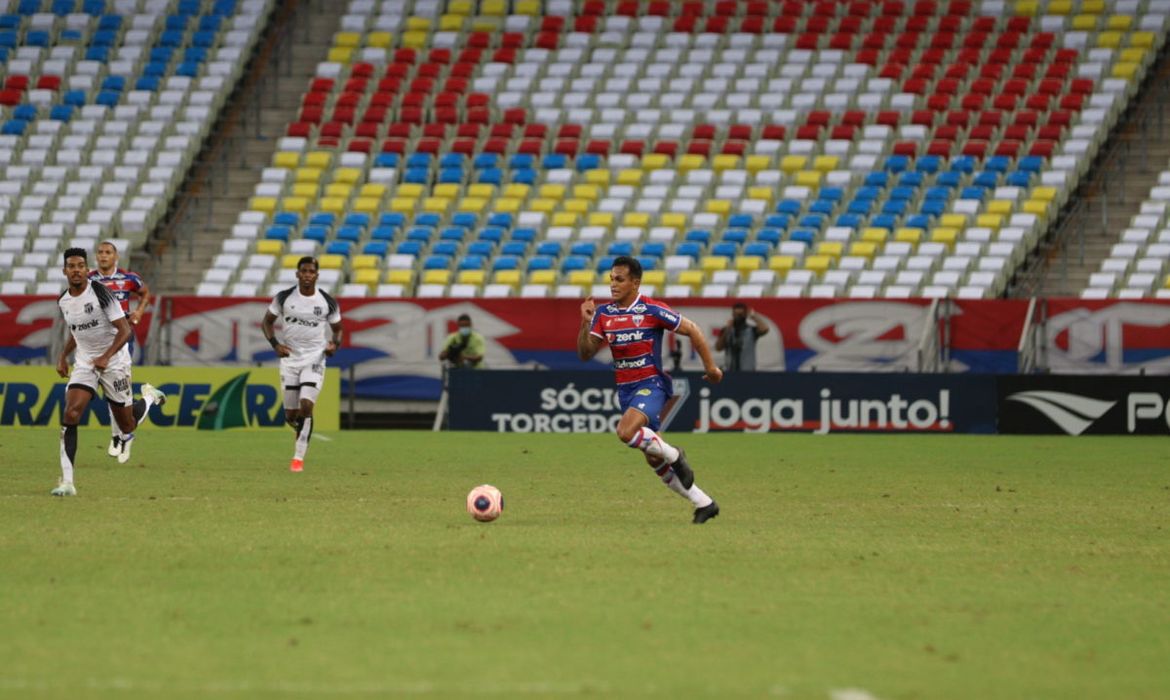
x,y
1080,405
202,398
392,345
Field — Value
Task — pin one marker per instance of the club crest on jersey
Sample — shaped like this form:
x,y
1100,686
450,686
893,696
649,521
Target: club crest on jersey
x,y
639,308
88,308
317,311
637,319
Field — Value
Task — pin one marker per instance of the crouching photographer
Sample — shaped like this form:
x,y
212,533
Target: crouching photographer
x,y
464,347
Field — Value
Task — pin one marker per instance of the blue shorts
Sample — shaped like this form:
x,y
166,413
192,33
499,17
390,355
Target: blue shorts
x,y
647,396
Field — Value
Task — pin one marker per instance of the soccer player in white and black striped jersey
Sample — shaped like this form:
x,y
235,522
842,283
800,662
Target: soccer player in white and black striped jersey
x,y
98,331
305,313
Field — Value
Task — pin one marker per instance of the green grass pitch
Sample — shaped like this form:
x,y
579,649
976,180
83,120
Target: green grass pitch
x,y
841,567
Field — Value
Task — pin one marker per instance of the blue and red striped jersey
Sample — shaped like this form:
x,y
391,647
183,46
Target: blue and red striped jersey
x,y
123,283
635,335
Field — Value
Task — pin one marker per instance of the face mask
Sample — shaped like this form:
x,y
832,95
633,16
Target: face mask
x,y
740,323
465,330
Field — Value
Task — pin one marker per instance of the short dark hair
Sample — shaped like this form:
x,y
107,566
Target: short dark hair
x,y
739,305
74,253
630,264
464,317
309,259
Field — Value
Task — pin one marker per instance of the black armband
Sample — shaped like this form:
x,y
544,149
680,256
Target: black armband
x,y
273,342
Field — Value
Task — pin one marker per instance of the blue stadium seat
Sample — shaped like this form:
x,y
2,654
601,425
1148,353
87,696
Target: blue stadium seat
x,y
464,219
447,248
37,38
451,175
522,161
524,177
501,219
877,179
188,69
63,7
922,221
93,8
928,164
386,160
147,82
554,161
339,248
349,233
25,112
61,113
803,235
481,248
109,23
210,23
910,178
812,221
604,263
899,194
889,221
648,262
359,219
490,176
574,262
690,248
171,39
317,233
757,249
933,207
395,218
549,248
410,248
964,164
896,163
850,221
725,249
620,248
655,249
740,221
1020,178
584,248
541,262
419,176
770,236
471,262
823,207
589,161
384,233
524,234
735,235
437,262
420,233
507,262
379,248
698,235
155,70
176,23
518,248
428,219
278,233
777,221
452,233
484,160
418,160
323,218
493,234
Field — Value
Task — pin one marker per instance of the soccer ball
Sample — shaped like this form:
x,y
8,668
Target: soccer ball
x,y
485,502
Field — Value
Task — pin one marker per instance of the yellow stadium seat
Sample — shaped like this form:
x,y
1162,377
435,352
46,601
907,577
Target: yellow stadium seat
x,y
1000,206
372,189
1026,8
824,164
543,204
863,249
600,218
953,220
747,263
482,190
690,161
414,40
436,205
675,220
362,262
1085,23
1119,23
347,39
874,234
296,205
333,205
630,176
270,247
340,54
694,278
331,262
1109,40
307,174
517,190
1166,282
576,206
655,161
1145,40
832,249
403,205
289,260
758,162
511,277
718,206
1036,206
411,189
908,235
474,205
367,276
497,8
818,263
1093,6
542,277
506,205
1132,55
470,277
417,24
527,7
1059,7
792,163
452,23
318,159
338,190
654,277
781,263
446,189
944,235
1127,71
725,161
308,190
809,178
551,190
581,277
708,263
367,205
587,192
264,204
436,277
379,40
761,192
403,277
597,176
286,159
991,221
637,219
565,218
460,7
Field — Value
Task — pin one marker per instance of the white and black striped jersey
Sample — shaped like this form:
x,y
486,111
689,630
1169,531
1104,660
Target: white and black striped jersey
x,y
306,322
90,318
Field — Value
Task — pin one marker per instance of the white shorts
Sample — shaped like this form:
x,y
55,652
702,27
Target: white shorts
x,y
302,382
114,382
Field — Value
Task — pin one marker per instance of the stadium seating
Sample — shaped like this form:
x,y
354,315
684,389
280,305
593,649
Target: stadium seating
x,y
1138,265
103,106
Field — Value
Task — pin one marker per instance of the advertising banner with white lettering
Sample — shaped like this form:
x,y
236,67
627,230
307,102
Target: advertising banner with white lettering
x,y
26,329
1080,405
572,402
1108,337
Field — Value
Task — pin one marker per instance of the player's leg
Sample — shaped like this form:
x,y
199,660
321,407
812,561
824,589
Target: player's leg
x,y
79,392
637,430
115,447
128,413
310,389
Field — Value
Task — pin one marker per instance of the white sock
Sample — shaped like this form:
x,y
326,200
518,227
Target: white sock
x,y
694,494
303,439
114,430
66,462
652,444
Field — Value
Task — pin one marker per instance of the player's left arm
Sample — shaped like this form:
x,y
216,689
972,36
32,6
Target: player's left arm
x,y
124,333
761,323
142,293
687,327
588,342
335,341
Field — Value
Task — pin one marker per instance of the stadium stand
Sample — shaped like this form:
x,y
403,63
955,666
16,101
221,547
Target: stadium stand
x,y
825,149
103,107
1138,265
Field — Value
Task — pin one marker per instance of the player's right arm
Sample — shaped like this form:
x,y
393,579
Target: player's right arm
x,y
270,335
63,360
588,343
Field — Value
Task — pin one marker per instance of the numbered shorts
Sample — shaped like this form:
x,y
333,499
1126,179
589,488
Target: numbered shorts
x,y
301,383
647,396
114,383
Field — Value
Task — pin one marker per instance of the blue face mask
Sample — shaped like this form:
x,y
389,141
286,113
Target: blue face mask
x,y
465,330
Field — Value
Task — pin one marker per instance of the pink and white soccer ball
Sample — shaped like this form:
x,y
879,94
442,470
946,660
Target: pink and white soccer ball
x,y
485,502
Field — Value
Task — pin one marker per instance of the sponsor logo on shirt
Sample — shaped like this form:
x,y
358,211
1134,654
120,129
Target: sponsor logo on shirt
x,y
85,326
631,364
301,322
625,337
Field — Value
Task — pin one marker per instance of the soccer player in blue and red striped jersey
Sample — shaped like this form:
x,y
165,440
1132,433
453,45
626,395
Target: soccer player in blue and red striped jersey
x,y
125,285
633,325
